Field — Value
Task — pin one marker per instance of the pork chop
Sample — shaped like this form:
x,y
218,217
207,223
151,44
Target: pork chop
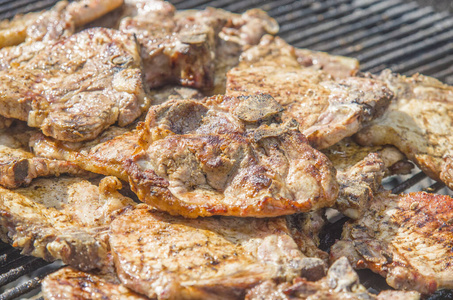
x,y
18,166
71,284
341,282
62,218
57,22
107,153
407,239
327,109
77,87
163,256
183,47
418,122
228,156
360,173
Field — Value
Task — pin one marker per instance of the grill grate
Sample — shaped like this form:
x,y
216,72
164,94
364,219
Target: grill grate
x,y
395,34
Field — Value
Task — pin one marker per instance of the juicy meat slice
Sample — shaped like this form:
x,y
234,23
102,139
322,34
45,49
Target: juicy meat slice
x,y
418,122
62,218
360,173
77,87
327,110
71,284
18,166
59,21
229,156
341,282
407,239
163,256
274,51
104,155
183,47
107,153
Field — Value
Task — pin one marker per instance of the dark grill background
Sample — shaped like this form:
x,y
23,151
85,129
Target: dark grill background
x,y
396,34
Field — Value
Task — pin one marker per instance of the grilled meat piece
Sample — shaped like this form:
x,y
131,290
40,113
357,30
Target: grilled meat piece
x,y
340,283
327,110
229,156
163,256
418,122
104,155
274,51
406,238
59,21
360,173
183,47
77,87
69,283
18,166
62,218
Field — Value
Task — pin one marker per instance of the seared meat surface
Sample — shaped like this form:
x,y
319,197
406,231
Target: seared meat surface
x,y
327,110
59,21
418,122
406,238
77,87
104,155
62,218
360,173
71,284
163,256
183,47
229,156
341,282
18,166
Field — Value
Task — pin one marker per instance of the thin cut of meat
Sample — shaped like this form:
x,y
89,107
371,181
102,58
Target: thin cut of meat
x,y
107,153
327,109
62,218
183,47
18,166
274,51
164,257
71,284
228,156
104,155
77,87
360,173
59,21
407,239
341,282
418,122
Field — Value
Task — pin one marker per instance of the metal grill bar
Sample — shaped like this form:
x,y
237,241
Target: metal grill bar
x,y
439,56
408,183
356,21
9,11
383,61
396,32
29,264
344,36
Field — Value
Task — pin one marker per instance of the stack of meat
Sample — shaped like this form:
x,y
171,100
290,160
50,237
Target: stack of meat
x,y
171,154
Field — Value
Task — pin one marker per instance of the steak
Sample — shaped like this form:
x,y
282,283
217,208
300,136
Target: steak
x,y
407,239
62,218
228,156
18,166
163,256
77,87
69,283
341,282
327,109
418,122
183,47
